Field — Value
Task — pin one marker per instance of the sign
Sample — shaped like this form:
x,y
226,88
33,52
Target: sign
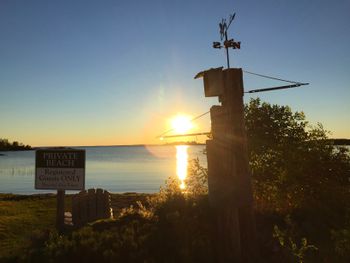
x,y
61,169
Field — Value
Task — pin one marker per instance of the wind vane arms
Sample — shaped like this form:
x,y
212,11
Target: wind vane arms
x,y
228,43
277,88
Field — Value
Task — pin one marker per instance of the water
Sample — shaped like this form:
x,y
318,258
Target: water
x,y
116,169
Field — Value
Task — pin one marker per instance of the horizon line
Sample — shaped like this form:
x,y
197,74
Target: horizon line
x,y
119,145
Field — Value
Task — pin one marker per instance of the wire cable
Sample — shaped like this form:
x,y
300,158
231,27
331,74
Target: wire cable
x,y
269,77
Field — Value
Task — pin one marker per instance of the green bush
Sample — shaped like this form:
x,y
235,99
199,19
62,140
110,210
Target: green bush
x,y
296,171
293,163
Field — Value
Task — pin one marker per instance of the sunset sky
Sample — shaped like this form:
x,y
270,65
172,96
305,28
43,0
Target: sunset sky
x,y
116,72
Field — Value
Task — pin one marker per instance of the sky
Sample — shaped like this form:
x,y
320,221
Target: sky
x,y
115,72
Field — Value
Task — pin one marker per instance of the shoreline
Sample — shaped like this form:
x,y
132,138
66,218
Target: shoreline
x,y
118,200
69,194
96,146
334,141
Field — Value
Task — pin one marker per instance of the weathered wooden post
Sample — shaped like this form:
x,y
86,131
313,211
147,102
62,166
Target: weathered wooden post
x,y
91,205
60,210
76,208
84,212
230,191
103,204
100,204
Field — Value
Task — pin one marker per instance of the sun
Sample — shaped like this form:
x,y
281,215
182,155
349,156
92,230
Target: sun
x,y
181,124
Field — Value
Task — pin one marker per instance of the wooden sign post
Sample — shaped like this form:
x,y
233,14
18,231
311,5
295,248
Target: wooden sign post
x,y
60,210
229,182
61,169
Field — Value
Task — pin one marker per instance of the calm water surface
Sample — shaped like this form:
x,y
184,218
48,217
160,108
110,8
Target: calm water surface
x,y
116,169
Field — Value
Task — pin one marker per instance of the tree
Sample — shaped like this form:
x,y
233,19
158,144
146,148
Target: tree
x,y
293,163
5,145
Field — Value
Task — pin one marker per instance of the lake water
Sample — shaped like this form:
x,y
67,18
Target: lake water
x,y
115,168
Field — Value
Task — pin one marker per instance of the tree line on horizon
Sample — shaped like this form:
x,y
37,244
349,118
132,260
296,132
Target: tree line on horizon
x,y
6,145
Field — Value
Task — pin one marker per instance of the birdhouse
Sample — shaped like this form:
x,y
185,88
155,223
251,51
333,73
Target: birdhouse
x,y
213,81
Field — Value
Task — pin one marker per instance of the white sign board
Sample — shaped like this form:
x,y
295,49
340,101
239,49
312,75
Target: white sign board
x,y
61,169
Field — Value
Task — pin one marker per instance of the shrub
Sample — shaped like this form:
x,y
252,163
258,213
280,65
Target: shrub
x,y
296,170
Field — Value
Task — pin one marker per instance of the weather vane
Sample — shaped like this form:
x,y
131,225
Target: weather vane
x,y
228,43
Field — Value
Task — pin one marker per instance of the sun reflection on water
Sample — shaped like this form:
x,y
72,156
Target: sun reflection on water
x,y
181,164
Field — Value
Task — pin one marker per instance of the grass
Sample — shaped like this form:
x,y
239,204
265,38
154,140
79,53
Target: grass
x,y
21,216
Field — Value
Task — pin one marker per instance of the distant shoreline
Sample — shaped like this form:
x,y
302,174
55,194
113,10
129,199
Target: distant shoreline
x,y
93,146
118,145
340,141
16,150
336,141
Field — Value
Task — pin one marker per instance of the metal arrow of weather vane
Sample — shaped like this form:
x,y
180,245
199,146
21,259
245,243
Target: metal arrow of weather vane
x,y
228,43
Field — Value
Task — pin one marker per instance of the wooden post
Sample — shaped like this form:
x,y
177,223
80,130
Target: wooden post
x,y
107,205
60,210
229,182
76,210
100,204
233,101
91,205
84,212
